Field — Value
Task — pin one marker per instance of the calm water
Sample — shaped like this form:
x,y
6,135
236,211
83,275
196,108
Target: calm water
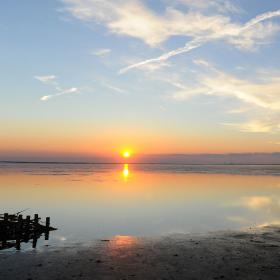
x,y
88,202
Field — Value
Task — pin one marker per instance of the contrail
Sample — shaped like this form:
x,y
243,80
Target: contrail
x,y
261,18
67,91
187,48
196,43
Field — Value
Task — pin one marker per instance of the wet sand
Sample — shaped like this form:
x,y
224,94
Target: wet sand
x,y
252,254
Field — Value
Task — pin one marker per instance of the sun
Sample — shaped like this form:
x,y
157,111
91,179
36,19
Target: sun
x,y
126,154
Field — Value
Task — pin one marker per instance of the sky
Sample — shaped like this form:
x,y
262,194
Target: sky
x,y
89,78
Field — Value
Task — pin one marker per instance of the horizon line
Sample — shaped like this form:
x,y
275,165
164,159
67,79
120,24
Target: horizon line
x,y
132,163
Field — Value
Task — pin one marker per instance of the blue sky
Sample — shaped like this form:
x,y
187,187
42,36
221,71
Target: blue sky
x,y
179,70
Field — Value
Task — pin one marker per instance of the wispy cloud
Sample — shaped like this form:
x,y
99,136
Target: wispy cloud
x,y
259,96
264,93
52,81
274,142
101,52
187,48
64,92
237,110
114,88
222,6
241,36
260,18
256,126
47,79
134,19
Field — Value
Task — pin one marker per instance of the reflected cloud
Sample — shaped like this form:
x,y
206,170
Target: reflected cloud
x,y
260,210
257,202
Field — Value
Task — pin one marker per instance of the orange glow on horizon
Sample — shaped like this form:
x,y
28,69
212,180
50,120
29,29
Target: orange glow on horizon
x,y
46,141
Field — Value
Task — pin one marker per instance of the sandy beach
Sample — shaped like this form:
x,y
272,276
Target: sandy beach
x,y
251,254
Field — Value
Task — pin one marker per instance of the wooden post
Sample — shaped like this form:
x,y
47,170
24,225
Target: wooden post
x,y
20,229
34,243
47,222
27,222
6,217
47,228
19,224
36,221
20,218
18,244
18,232
36,218
47,235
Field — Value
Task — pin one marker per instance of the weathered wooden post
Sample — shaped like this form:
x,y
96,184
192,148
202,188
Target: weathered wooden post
x,y
19,219
16,229
47,222
5,229
27,222
34,242
18,244
6,217
47,228
36,222
26,228
36,225
36,218
18,232
19,224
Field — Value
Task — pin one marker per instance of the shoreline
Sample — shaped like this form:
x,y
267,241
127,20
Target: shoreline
x,y
251,254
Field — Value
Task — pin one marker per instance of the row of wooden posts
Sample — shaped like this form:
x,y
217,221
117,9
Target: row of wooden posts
x,y
20,218
14,229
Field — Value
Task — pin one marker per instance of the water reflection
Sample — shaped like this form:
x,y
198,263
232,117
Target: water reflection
x,y
120,246
15,229
125,172
121,241
100,201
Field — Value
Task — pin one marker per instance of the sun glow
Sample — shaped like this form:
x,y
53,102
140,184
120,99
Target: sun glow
x,y
126,154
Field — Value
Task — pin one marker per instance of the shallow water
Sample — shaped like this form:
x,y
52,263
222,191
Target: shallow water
x,y
95,201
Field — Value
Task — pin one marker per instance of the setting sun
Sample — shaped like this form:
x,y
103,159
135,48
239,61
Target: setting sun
x,y
126,154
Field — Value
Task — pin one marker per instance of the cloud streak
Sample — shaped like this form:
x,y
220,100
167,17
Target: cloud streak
x,y
261,18
132,18
222,6
52,81
263,94
47,79
187,48
101,52
64,92
235,35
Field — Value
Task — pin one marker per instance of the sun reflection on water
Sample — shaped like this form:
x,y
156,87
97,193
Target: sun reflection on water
x,y
125,172
123,241
121,246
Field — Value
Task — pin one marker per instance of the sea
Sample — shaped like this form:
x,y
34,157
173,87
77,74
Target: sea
x,y
88,202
